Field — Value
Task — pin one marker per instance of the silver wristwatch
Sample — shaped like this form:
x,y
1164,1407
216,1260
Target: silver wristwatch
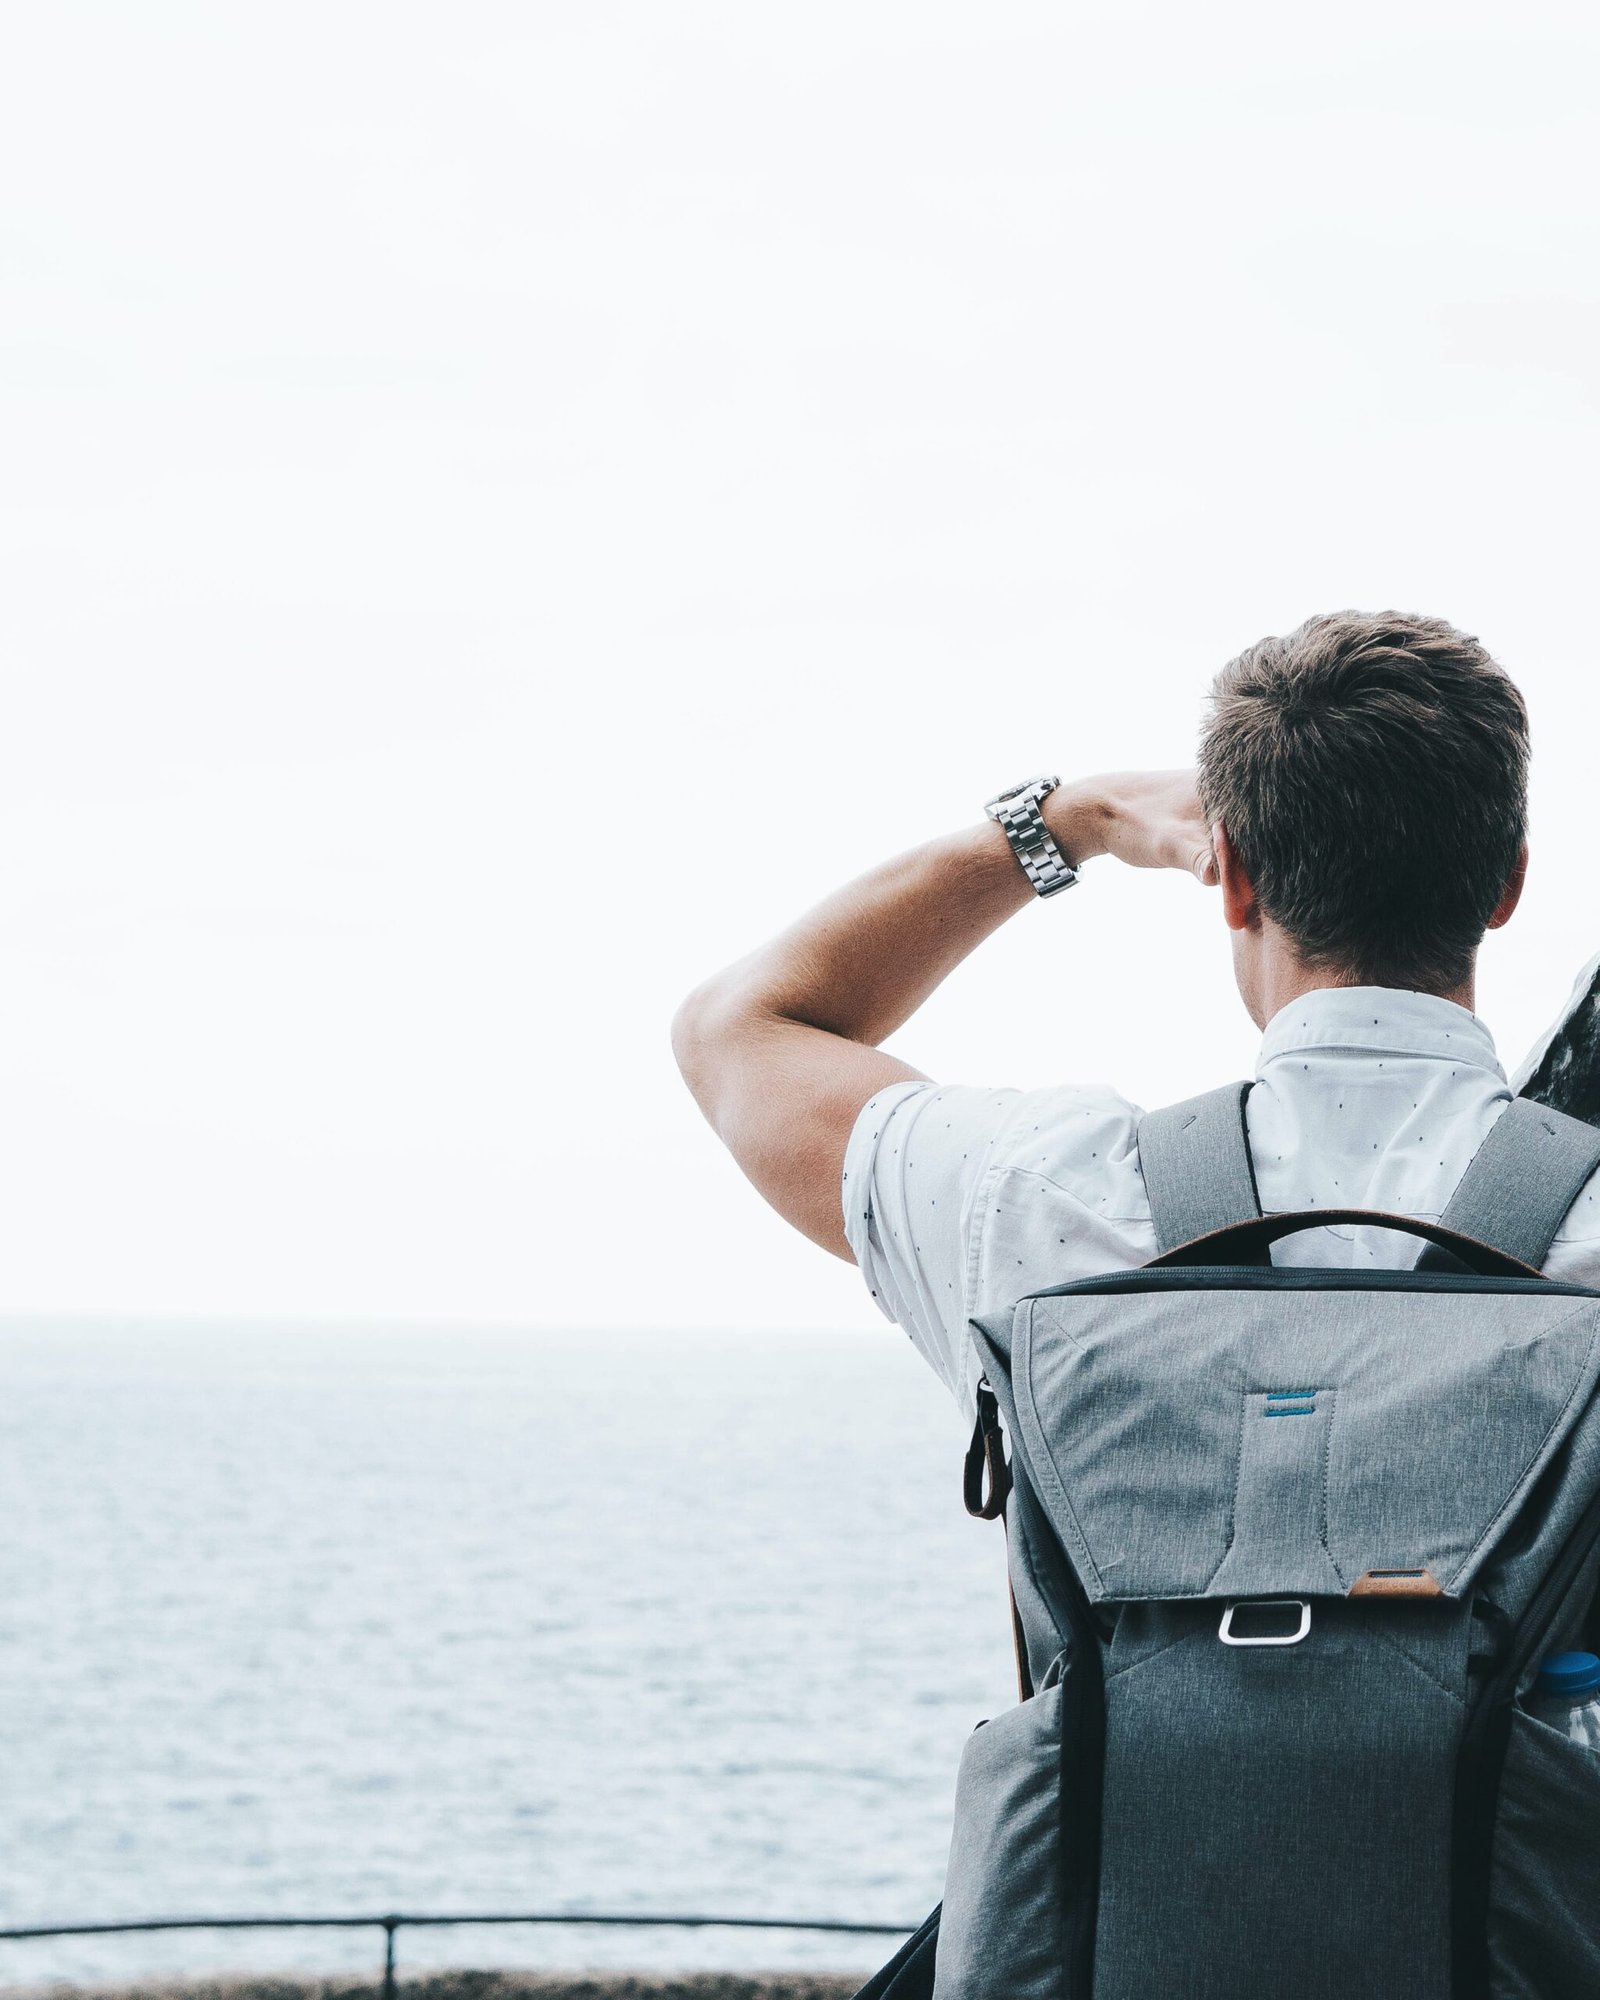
x,y
1017,810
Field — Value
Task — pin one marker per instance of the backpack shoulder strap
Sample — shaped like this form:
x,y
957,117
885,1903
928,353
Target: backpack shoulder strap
x,y
1522,1180
1195,1158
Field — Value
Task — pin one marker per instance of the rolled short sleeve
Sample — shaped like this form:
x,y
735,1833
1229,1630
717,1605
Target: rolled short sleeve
x,y
916,1159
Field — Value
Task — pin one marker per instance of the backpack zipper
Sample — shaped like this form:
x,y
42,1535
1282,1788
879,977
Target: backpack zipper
x,y
1302,1278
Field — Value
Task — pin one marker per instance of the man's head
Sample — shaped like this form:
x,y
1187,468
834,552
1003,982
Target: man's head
x,y
1369,774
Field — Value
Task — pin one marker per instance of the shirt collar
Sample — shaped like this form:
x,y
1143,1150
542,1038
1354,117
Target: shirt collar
x,y
1389,1019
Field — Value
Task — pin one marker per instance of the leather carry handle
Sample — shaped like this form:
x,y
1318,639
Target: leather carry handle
x,y
1250,1242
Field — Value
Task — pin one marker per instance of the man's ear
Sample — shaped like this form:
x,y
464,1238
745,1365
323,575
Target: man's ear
x,y
1239,908
1511,894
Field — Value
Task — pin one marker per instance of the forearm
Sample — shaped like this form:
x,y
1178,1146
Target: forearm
x,y
864,960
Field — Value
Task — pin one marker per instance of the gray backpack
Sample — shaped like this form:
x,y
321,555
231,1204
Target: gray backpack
x,y
1286,1547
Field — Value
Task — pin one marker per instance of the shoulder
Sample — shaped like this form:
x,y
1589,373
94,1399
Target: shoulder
x,y
1077,1136
1063,1196
958,1198
963,1133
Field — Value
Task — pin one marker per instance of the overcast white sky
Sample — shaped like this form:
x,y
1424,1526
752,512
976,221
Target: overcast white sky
x,y
502,505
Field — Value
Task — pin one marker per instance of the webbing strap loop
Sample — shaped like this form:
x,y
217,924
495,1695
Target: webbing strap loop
x,y
986,1475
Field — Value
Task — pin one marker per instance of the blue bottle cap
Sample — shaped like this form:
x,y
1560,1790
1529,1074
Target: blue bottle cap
x,y
1569,1673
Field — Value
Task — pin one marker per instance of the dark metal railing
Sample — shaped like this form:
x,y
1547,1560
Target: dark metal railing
x,y
396,1920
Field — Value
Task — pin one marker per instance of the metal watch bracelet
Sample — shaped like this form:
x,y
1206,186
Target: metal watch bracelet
x,y
1017,812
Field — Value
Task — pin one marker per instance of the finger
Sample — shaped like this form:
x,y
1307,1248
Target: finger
x,y
1205,866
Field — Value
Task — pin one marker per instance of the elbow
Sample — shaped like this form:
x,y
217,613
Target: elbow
x,y
688,1032
701,1032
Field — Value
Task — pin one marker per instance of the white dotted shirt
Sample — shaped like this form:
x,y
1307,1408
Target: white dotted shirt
x,y
960,1201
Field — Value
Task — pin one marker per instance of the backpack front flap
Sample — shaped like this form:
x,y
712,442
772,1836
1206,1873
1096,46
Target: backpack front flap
x,y
1216,1436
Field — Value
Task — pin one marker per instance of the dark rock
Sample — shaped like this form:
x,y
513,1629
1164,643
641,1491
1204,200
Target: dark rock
x,y
1566,1072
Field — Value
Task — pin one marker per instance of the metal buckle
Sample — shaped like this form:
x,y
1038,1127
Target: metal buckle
x,y
1229,1637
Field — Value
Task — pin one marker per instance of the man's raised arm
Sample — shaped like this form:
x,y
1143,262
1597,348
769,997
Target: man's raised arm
x,y
781,1049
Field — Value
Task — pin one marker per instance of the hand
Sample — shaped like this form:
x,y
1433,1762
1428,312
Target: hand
x,y
1149,819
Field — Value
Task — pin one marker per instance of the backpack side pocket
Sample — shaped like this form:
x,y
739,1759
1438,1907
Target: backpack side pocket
x,y
1001,1935
1544,1893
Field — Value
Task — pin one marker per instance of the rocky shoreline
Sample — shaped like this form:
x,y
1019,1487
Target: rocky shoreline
x,y
475,1986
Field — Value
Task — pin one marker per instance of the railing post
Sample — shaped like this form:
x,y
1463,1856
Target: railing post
x,y
390,1926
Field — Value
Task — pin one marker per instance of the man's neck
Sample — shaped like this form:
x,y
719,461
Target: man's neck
x,y
1282,977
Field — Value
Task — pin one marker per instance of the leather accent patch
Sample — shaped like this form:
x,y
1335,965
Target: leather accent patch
x,y
1397,1583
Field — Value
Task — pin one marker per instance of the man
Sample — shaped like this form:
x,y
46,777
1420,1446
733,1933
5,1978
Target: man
x,y
1360,806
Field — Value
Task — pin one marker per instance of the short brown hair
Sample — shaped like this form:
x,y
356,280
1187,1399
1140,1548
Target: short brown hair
x,y
1371,770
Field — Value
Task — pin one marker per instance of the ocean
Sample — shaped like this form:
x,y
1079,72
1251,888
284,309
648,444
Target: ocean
x,y
305,1620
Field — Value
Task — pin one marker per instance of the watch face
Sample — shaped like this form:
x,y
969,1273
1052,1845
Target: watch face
x,y
1036,786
